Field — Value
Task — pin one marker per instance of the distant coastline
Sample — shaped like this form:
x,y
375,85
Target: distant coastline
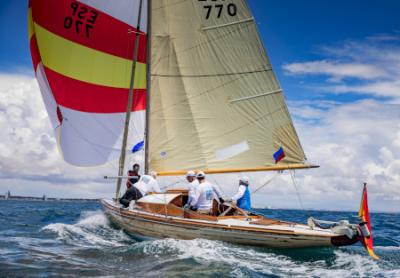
x,y
44,198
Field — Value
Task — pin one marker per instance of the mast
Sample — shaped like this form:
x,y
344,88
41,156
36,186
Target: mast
x,y
148,85
129,106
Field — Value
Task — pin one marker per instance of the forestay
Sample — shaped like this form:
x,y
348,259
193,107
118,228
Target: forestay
x,y
82,54
215,101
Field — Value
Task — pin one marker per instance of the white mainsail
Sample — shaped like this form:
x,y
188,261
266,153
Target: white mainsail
x,y
215,103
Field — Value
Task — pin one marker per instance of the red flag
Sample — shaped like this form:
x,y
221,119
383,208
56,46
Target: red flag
x,y
363,214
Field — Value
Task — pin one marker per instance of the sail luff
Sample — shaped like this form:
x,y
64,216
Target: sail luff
x,y
148,89
130,100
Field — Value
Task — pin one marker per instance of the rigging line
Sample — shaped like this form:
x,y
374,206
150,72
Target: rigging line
x,y
219,187
292,174
266,183
210,75
172,184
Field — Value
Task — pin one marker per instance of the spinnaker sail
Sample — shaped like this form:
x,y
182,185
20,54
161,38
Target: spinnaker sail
x,y
82,54
215,102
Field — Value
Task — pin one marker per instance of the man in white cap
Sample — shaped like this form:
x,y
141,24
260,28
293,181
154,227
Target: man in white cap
x,y
193,183
204,195
146,184
242,197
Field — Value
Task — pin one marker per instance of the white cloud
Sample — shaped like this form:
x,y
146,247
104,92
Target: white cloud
x,y
379,89
354,141
336,70
384,37
29,160
369,67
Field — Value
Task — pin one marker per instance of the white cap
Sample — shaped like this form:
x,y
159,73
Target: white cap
x,y
244,179
190,174
200,174
153,174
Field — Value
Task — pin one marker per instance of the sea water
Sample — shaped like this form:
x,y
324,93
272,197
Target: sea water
x,y
75,239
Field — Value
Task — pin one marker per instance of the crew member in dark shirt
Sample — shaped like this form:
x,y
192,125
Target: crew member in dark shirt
x,y
132,193
134,174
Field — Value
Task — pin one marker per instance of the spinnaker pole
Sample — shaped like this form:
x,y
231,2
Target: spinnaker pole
x,y
130,101
148,89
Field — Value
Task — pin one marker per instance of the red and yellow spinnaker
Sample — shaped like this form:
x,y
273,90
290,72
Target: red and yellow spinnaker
x,y
82,53
363,214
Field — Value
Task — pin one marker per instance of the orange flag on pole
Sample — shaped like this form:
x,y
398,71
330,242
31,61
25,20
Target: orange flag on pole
x,y
366,234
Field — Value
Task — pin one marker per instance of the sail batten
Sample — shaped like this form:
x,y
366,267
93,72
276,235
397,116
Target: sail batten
x,y
228,24
256,96
215,101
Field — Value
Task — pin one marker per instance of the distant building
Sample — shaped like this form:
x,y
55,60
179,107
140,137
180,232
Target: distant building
x,y
7,195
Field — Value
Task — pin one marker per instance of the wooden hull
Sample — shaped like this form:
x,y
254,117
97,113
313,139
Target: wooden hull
x,y
145,226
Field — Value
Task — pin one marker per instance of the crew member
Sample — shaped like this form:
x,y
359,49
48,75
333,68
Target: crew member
x,y
193,183
146,184
134,175
204,196
242,197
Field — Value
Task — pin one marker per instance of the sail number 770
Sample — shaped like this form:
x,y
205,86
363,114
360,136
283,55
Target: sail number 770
x,y
81,20
218,9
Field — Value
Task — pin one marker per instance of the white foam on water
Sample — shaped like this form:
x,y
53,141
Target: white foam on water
x,y
242,259
390,248
93,229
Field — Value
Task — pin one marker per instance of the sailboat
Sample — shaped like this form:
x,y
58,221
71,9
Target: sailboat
x,y
186,85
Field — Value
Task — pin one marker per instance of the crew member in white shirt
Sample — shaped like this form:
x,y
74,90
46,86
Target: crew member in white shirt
x,y
148,183
204,196
193,183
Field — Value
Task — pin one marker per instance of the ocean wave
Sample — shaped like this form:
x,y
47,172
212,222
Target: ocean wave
x,y
242,260
93,229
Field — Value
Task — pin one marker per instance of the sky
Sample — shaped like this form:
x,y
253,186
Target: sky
x,y
338,63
